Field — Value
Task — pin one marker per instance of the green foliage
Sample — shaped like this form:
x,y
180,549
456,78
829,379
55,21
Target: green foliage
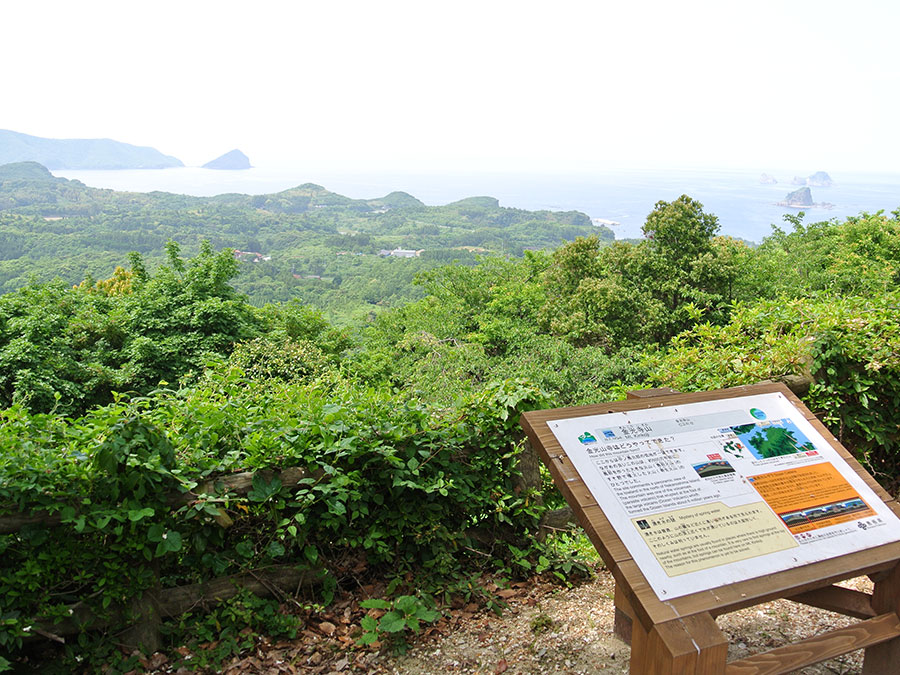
x,y
774,442
858,256
68,349
405,484
402,614
305,243
228,629
636,294
541,623
848,344
482,323
406,425
263,359
679,232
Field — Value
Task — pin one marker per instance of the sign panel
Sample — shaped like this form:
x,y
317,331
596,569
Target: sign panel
x,y
712,493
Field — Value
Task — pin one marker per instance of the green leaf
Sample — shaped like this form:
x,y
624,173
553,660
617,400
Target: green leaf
x,y
367,638
262,489
392,622
375,603
406,603
155,532
135,515
427,615
173,540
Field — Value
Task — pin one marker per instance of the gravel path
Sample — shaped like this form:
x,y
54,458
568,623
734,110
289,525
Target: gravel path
x,y
547,630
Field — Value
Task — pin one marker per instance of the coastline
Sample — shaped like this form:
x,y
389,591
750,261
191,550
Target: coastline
x,y
746,209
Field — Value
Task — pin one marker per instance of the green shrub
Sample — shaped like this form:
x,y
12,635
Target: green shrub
x,y
402,485
849,345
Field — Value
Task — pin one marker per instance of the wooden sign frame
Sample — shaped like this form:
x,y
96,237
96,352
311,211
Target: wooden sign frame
x,y
680,635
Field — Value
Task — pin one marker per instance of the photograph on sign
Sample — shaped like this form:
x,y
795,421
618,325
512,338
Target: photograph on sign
x,y
716,492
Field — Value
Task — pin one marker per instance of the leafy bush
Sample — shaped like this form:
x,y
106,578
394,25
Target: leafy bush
x,y
68,349
849,345
404,485
402,614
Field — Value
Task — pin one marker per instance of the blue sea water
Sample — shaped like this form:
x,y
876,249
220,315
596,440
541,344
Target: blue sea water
x,y
745,207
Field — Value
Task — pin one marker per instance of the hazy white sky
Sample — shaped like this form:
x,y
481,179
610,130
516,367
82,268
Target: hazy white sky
x,y
562,85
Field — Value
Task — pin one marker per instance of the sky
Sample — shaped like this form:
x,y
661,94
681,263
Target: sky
x,y
490,85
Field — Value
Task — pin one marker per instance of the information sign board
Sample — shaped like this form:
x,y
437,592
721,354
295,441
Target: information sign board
x,y
711,493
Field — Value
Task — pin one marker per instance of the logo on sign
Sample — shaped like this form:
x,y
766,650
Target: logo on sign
x,y
757,413
587,437
715,456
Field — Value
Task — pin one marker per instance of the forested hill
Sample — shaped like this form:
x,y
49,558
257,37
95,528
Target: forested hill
x,y
345,256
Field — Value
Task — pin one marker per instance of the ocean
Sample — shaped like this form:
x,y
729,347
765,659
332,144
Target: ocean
x,y
745,207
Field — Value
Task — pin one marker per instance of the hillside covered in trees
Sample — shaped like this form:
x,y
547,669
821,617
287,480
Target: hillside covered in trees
x,y
163,431
335,253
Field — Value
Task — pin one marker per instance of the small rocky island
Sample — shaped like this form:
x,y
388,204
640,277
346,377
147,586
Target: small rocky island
x,y
818,179
766,179
802,199
230,161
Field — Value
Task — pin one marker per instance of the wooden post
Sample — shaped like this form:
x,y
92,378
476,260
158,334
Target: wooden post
x,y
624,616
885,657
690,646
143,634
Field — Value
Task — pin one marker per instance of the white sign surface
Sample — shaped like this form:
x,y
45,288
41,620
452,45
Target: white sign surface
x,y
712,493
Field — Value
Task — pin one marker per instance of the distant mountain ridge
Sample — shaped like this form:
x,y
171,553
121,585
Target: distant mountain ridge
x,y
80,153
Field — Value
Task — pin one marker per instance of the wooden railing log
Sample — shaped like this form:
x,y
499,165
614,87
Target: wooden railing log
x,y
277,580
237,483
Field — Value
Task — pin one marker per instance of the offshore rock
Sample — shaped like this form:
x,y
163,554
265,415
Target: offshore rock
x,y
798,198
802,198
819,179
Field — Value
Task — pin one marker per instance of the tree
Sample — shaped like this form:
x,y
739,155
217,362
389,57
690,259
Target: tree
x,y
680,231
67,349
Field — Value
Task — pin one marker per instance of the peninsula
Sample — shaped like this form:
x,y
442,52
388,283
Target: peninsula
x,y
80,153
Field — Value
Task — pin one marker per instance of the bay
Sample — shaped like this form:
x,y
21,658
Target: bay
x,y
745,207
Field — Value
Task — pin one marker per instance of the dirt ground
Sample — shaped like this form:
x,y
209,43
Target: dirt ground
x,y
571,631
545,629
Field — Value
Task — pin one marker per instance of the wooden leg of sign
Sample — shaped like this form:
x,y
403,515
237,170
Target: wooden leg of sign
x,y
885,657
624,616
690,646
